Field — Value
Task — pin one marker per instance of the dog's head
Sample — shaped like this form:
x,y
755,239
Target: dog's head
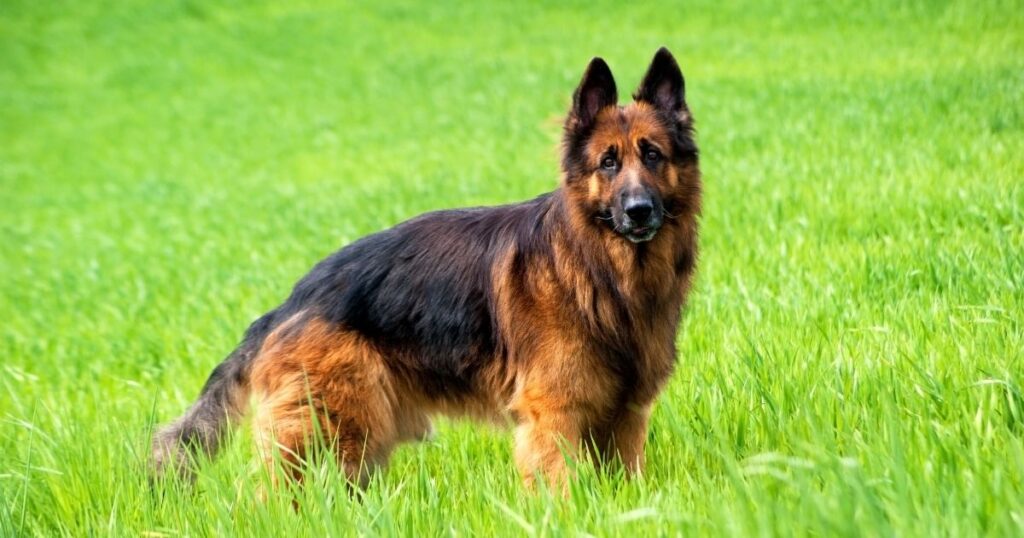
x,y
629,168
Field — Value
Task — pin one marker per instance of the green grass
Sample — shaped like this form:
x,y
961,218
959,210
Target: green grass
x,y
851,361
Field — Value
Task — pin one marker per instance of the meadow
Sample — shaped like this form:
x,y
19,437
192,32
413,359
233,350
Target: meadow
x,y
851,361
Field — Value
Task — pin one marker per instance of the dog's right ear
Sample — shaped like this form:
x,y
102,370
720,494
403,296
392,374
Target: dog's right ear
x,y
596,91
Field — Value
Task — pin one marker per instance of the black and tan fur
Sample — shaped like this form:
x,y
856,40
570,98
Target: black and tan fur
x,y
558,314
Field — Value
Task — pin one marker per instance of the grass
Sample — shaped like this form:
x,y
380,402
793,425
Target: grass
x,y
851,361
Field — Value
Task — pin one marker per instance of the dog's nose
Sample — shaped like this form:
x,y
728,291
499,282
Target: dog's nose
x,y
639,209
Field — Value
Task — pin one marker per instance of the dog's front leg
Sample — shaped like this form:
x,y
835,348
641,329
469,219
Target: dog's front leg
x,y
560,395
547,437
629,435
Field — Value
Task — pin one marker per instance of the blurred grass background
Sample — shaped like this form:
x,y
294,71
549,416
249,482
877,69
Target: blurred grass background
x,y
850,363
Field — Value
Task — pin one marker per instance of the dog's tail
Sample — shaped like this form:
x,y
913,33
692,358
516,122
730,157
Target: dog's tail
x,y
201,430
221,405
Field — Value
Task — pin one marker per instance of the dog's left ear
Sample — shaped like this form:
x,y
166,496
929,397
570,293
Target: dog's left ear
x,y
663,85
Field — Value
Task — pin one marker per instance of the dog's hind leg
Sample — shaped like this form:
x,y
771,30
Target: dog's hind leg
x,y
324,387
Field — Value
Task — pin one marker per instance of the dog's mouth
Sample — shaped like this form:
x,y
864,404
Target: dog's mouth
x,y
640,234
632,231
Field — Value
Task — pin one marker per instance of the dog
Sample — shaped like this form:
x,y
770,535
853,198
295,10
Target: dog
x,y
558,315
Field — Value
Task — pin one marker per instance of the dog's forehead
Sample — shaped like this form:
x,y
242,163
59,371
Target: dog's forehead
x,y
624,128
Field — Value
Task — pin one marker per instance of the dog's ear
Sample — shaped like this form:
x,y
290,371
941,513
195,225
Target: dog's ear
x,y
663,85
596,91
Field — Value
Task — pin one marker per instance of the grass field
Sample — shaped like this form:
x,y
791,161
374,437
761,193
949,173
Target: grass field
x,y
851,361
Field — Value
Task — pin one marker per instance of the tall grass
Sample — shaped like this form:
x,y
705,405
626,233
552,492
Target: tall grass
x,y
851,361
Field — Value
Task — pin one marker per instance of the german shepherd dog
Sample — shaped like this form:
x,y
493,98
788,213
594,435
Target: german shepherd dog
x,y
558,315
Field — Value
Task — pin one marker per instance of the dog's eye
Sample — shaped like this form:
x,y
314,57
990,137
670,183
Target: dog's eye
x,y
652,155
608,163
